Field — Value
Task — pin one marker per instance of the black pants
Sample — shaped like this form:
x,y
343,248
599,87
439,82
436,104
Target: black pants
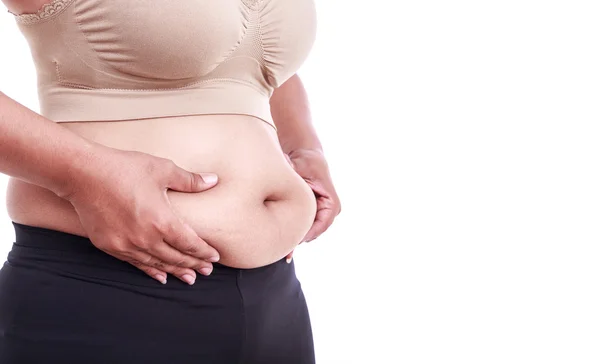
x,y
62,300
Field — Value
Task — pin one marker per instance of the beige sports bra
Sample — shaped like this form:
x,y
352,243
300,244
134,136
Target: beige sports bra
x,y
102,60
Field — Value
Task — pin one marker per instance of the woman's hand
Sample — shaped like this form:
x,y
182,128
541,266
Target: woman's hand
x,y
121,199
312,166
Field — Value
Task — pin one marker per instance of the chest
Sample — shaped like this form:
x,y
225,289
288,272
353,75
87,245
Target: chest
x,y
183,40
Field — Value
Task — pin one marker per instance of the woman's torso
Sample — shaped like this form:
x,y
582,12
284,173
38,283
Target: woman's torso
x,y
259,211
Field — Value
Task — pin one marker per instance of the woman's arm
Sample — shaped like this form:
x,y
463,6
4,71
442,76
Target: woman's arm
x,y
291,113
298,138
37,150
120,196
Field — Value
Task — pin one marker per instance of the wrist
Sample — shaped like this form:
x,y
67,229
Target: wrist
x,y
309,157
81,166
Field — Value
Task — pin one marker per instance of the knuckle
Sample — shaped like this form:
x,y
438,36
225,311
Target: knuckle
x,y
176,232
115,246
183,263
169,268
141,245
142,268
191,249
189,245
152,165
107,244
140,265
158,264
160,166
127,256
135,262
195,179
169,165
163,224
148,260
172,260
201,249
179,262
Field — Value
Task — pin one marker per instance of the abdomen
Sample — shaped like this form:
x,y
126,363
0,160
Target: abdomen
x,y
257,213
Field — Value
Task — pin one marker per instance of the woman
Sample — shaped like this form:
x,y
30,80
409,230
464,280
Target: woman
x,y
173,138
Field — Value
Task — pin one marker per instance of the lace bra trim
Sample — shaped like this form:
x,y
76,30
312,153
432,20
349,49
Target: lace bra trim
x,y
252,4
55,7
47,11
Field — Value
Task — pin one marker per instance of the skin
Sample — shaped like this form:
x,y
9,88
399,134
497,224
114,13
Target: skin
x,y
75,172
170,242
291,112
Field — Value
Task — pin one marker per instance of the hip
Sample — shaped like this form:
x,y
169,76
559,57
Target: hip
x,y
61,298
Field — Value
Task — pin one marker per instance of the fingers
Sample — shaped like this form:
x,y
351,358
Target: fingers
x,y
152,272
157,269
323,220
288,258
328,207
167,254
184,239
180,250
186,181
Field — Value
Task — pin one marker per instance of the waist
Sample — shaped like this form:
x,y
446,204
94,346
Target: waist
x,y
257,213
55,253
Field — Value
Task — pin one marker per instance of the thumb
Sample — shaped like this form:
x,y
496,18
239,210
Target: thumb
x,y
186,181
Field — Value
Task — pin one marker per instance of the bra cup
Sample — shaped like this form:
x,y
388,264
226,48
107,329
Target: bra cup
x,y
288,33
120,60
184,40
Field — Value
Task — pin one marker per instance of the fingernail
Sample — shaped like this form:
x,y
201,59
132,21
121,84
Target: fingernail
x,y
189,279
214,259
288,260
209,178
206,271
162,279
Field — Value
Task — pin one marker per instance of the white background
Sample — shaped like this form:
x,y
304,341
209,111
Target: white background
x,y
464,140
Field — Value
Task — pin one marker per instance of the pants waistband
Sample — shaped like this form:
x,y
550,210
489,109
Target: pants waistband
x,y
39,237
59,248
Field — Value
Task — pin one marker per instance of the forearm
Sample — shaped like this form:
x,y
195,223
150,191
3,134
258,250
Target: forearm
x,y
37,150
291,113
